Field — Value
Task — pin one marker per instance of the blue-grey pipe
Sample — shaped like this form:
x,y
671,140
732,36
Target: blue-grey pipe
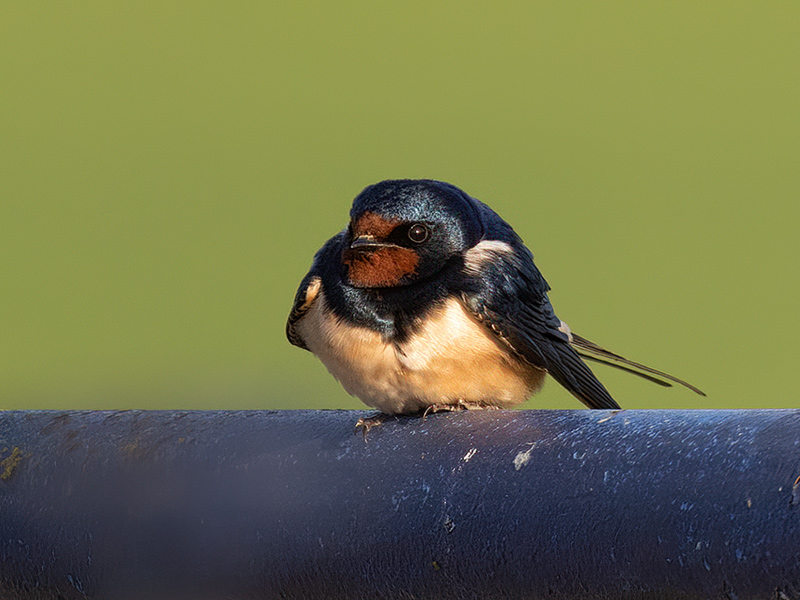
x,y
499,504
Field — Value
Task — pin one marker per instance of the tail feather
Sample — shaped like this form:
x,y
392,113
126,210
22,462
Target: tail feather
x,y
630,370
592,351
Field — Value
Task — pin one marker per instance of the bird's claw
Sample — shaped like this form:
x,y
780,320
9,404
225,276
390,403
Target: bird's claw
x,y
460,405
367,423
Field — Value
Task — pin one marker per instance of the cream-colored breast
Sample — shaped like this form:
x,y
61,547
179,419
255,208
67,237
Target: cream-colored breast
x,y
451,358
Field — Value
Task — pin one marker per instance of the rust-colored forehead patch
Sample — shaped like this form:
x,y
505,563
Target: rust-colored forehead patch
x,y
373,224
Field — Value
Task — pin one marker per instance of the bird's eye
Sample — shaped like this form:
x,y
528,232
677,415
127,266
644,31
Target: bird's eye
x,y
418,233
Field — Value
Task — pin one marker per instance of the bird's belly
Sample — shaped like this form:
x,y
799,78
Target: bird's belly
x,y
450,358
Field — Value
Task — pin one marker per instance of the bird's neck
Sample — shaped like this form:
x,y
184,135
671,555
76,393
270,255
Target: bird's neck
x,y
395,312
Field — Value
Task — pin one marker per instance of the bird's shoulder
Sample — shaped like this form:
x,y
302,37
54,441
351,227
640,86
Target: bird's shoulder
x,y
508,293
503,263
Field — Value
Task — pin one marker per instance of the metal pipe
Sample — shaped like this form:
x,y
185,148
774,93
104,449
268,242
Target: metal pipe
x,y
150,505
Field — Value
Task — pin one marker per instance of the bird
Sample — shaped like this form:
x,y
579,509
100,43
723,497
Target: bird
x,y
429,301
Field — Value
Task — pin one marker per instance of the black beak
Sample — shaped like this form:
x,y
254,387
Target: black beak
x,y
367,241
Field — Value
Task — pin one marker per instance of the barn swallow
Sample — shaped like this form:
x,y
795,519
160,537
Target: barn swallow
x,y
430,301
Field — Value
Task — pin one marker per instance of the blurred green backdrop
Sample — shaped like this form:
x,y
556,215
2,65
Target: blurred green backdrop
x,y
168,170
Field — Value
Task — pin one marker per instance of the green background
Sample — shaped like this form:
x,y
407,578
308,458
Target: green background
x,y
168,169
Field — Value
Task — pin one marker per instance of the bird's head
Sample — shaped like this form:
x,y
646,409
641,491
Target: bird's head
x,y
404,231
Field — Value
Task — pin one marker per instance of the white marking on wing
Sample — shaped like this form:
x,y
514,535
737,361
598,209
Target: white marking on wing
x,y
564,328
486,251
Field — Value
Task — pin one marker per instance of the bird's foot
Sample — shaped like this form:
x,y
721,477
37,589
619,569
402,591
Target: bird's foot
x,y
477,405
456,406
434,408
453,407
367,423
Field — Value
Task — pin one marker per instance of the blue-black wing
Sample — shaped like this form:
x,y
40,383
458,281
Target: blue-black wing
x,y
309,288
510,297
306,295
